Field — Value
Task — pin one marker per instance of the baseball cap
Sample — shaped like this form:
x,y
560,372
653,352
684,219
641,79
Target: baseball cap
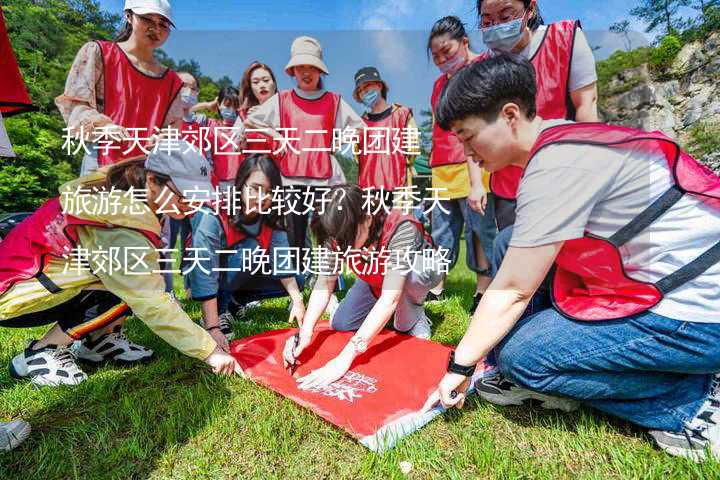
x,y
143,7
188,169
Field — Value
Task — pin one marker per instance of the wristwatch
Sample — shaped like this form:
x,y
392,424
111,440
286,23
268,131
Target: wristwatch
x,y
359,344
459,369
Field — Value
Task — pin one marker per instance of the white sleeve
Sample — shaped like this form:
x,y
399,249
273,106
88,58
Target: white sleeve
x,y
582,67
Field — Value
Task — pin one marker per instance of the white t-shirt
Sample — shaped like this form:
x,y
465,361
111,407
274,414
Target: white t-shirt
x,y
567,190
582,65
5,147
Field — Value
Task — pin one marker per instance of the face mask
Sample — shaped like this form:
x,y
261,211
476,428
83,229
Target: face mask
x,y
504,37
370,99
188,98
453,65
228,114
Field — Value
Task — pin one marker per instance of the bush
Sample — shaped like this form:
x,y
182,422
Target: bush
x,y
663,56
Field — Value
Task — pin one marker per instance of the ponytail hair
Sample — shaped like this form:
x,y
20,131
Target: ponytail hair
x,y
126,30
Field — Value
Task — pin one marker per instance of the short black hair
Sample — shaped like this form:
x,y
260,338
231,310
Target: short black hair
x,y
484,87
450,25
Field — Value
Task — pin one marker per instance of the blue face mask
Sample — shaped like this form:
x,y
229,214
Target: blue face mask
x,y
370,99
228,114
504,37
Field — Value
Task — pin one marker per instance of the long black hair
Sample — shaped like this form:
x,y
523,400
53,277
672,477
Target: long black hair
x,y
337,226
534,22
262,163
450,25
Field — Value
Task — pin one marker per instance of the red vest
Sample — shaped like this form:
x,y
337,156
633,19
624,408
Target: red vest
x,y
46,233
385,170
234,235
446,148
374,275
133,100
309,118
552,64
590,281
13,95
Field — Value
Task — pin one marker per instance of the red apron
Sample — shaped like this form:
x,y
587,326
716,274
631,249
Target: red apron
x,y
313,122
46,233
590,281
552,63
133,100
13,95
446,148
374,274
385,170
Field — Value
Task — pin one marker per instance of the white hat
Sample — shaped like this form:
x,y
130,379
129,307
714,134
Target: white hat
x,y
306,51
143,7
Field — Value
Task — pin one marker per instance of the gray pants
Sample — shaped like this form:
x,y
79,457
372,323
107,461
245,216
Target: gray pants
x,y
358,302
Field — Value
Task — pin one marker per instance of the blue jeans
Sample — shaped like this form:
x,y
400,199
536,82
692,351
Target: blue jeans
x,y
447,229
651,370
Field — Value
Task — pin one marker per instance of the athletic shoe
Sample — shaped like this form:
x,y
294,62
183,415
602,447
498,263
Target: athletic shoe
x,y
476,302
13,434
225,322
700,437
114,346
48,366
501,391
421,329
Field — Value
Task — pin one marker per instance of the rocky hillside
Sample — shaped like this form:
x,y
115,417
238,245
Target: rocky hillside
x,y
682,100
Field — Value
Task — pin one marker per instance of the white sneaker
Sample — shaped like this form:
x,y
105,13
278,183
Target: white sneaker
x,y
113,346
225,323
13,434
49,366
499,390
421,329
700,437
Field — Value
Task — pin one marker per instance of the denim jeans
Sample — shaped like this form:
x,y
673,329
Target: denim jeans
x,y
447,229
648,369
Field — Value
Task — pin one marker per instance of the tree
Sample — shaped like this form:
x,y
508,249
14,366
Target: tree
x,y
623,28
659,15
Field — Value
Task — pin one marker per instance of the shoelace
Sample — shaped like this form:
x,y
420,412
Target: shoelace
x,y
65,357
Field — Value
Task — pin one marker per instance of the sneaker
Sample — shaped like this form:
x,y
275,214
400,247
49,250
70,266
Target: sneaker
x,y
13,434
48,366
114,346
499,390
225,322
700,437
476,302
421,329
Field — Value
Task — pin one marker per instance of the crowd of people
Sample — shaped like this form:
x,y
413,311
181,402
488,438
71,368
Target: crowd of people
x,y
594,247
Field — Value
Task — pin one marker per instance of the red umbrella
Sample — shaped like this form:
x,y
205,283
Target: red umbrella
x,y
13,95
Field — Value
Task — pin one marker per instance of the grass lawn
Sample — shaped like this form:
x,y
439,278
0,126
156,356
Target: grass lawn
x,y
171,418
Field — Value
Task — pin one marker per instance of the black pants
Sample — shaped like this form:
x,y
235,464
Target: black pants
x,y
81,315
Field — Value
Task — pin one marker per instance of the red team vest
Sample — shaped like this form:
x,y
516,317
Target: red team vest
x,y
48,232
446,148
133,99
375,276
234,235
552,63
306,116
590,280
380,170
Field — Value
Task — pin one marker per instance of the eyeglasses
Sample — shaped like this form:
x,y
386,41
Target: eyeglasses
x,y
505,16
163,25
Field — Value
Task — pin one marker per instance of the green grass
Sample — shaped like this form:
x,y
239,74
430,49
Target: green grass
x,y
173,419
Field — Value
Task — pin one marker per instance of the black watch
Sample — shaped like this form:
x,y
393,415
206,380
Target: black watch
x,y
459,369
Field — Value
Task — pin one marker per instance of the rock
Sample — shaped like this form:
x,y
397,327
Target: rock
x,y
712,160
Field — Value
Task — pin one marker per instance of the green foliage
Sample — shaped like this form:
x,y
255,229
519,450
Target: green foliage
x,y
704,139
663,56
